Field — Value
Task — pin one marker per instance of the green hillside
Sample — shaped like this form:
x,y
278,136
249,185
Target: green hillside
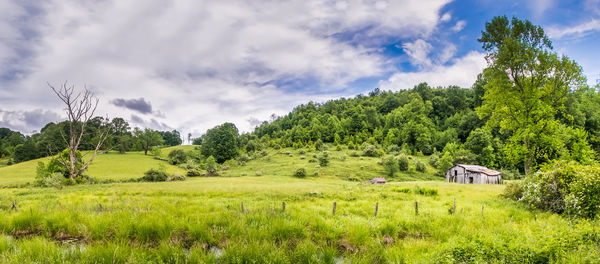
x,y
115,166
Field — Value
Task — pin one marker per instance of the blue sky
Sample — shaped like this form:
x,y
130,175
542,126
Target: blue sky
x,y
190,65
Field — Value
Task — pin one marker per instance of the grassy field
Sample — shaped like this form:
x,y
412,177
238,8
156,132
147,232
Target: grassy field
x,y
109,166
201,220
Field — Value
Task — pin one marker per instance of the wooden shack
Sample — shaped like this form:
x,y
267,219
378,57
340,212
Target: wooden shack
x,y
473,174
378,181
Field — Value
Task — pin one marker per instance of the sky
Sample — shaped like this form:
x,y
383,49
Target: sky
x,y
190,65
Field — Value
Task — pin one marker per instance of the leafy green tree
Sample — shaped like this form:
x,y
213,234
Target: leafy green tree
x,y
148,138
221,142
527,86
171,138
391,165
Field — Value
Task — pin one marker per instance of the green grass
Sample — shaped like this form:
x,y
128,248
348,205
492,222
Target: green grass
x,y
4,162
200,220
109,166
142,222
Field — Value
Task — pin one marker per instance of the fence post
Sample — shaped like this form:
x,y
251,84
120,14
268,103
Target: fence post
x,y
334,205
242,207
454,207
482,209
416,208
283,207
376,208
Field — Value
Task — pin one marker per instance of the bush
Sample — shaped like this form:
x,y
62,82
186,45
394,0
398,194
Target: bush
x,y
370,150
300,173
259,173
511,174
420,166
155,151
211,166
155,175
434,160
403,162
177,177
177,156
319,144
193,173
324,159
391,165
513,191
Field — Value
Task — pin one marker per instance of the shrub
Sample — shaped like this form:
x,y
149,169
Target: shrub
x,y
420,166
370,150
354,154
302,152
155,175
324,159
511,174
434,160
403,162
584,197
211,166
513,191
177,177
193,173
259,173
391,165
157,152
300,173
343,157
177,156
319,144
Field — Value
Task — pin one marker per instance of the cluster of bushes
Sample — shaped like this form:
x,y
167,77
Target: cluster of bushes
x,y
160,175
401,162
561,187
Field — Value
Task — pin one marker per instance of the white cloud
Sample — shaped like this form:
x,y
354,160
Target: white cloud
x,y
463,72
538,7
446,17
459,26
418,52
579,30
200,63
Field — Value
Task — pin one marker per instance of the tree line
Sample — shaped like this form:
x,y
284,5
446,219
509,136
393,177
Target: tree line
x,y
50,140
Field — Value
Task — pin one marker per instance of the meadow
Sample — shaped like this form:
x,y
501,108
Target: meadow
x,y
201,220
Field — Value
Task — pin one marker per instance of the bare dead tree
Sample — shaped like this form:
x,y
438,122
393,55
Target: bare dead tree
x,y
80,108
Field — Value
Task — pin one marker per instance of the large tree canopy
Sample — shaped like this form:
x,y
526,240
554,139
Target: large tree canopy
x,y
527,87
221,142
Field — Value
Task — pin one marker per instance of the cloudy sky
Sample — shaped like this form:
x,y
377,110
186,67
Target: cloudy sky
x,y
190,65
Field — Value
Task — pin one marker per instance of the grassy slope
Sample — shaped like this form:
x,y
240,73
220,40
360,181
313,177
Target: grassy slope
x,y
278,163
106,166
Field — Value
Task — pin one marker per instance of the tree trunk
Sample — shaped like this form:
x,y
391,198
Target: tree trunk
x,y
145,151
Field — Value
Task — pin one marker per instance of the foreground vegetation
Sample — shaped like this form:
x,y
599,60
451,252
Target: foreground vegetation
x,y
201,220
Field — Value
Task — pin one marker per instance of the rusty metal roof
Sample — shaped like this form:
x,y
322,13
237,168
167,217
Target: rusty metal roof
x,y
477,168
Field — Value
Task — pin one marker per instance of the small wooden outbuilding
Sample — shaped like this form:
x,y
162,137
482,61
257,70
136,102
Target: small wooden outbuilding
x,y
473,174
378,181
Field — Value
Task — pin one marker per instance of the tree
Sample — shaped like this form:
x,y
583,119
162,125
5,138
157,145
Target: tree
x,y
171,138
527,86
80,108
148,138
221,142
